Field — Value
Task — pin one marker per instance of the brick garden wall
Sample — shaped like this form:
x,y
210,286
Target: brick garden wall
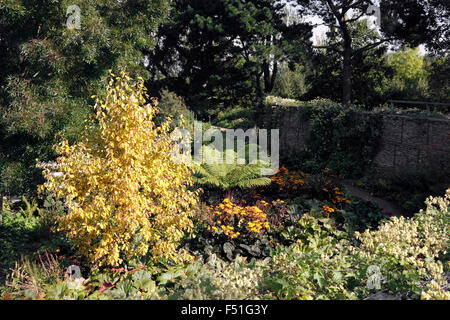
x,y
407,143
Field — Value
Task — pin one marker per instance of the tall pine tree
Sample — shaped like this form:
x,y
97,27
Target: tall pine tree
x,y
54,56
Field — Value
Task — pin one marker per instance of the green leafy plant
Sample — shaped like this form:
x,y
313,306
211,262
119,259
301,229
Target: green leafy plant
x,y
411,253
214,280
30,208
318,266
173,106
230,177
19,235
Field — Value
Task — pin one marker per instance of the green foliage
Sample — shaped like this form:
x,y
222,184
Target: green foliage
x,y
271,101
424,22
317,267
228,176
19,235
27,231
133,286
236,118
173,106
70,290
439,78
412,252
197,38
30,208
18,172
291,83
321,264
370,70
339,138
49,72
410,81
214,280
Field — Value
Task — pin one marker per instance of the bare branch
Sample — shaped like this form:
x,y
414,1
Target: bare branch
x,y
371,46
328,48
357,18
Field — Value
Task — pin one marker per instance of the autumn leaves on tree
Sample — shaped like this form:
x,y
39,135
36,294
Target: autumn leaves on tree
x,y
125,195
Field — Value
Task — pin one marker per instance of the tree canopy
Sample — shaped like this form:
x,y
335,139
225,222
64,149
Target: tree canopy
x,y
411,22
222,52
50,68
220,57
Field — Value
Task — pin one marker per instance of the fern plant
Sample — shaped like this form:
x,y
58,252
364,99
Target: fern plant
x,y
230,177
30,208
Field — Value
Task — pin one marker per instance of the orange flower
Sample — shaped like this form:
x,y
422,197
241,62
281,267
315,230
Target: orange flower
x,y
328,209
233,220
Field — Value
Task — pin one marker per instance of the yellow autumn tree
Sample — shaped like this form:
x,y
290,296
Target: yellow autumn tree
x,y
125,194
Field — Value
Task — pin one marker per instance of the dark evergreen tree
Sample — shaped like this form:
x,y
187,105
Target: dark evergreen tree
x,y
222,52
54,56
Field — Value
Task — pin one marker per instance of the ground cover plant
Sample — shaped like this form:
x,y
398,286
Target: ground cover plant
x,y
321,264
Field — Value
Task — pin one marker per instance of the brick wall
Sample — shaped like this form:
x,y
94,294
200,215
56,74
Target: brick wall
x,y
407,143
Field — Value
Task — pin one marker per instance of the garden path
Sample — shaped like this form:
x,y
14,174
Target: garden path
x,y
387,205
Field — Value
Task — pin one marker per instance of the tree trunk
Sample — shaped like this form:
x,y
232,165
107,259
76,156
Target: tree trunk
x,y
347,75
269,79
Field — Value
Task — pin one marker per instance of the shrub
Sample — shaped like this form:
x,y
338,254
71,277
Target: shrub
x,y
18,236
237,117
173,106
411,252
215,279
318,266
291,83
125,193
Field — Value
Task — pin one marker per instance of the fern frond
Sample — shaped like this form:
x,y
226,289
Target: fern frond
x,y
256,182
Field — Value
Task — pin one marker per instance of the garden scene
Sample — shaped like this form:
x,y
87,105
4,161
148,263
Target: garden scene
x,y
224,150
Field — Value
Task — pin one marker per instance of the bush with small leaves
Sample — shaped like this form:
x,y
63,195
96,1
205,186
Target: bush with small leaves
x,y
126,194
413,253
